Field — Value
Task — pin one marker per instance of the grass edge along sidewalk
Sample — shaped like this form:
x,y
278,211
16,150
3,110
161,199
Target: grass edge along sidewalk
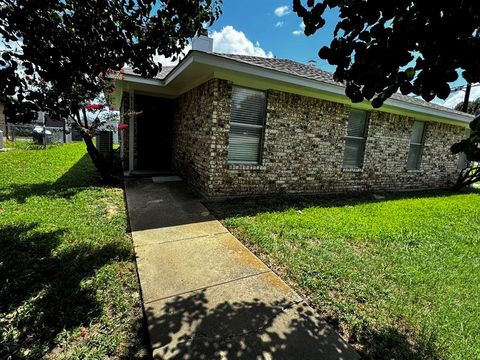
x,y
67,273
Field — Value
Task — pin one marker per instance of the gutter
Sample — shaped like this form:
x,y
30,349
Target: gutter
x,y
276,75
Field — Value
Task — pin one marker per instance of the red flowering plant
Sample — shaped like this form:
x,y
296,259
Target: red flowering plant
x,y
62,67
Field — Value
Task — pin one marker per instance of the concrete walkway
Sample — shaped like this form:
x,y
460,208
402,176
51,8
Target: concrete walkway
x,y
206,296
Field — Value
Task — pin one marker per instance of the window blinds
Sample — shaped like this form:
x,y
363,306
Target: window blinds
x,y
355,140
247,119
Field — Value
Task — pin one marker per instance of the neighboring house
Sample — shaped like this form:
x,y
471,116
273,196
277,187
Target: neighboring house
x,y
241,125
3,122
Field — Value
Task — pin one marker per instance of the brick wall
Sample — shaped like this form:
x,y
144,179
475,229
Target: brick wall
x,y
303,148
194,134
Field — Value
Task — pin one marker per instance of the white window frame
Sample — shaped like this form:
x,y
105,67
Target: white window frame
x,y
421,145
250,126
362,138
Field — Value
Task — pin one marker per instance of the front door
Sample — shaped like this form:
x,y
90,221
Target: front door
x,y
154,133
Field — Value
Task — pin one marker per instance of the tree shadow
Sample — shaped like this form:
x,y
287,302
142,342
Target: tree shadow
x,y
76,179
239,207
41,287
379,342
193,328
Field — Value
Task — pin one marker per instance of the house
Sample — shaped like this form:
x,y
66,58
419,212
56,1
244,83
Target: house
x,y
240,125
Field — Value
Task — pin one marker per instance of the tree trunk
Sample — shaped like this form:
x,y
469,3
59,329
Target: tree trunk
x,y
467,177
103,166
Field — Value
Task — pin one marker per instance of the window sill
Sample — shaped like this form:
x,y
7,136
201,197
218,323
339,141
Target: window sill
x,y
352,170
245,166
414,171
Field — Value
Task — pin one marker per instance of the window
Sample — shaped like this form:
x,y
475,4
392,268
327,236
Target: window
x,y
416,146
355,140
247,119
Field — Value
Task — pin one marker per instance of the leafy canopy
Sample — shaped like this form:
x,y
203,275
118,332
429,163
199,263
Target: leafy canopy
x,y
61,54
415,46
58,51
473,107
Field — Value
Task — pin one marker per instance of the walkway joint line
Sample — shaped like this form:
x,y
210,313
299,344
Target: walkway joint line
x,y
208,287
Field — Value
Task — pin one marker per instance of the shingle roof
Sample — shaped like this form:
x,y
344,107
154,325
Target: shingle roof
x,y
285,66
161,75
306,71
314,73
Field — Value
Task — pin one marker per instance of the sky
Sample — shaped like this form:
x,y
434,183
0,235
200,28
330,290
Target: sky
x,y
270,28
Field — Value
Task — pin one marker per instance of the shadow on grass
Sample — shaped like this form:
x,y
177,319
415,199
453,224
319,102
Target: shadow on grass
x,y
280,202
41,287
373,343
189,327
77,178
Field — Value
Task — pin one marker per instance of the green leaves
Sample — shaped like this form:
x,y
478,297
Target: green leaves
x,y
416,46
68,43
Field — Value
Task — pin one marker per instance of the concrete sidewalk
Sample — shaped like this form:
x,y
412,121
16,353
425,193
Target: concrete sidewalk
x,y
206,296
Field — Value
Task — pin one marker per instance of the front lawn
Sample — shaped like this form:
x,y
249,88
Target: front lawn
x,y
398,277
68,285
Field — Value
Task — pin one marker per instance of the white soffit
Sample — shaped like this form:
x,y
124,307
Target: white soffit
x,y
331,92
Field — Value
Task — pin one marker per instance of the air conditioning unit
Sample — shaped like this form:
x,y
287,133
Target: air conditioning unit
x,y
41,117
104,143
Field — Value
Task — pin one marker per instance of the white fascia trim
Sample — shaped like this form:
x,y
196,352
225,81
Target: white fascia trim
x,y
233,65
160,82
140,80
428,111
228,64
177,70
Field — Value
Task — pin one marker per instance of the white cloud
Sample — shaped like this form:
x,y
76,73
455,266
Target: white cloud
x,y
300,30
279,24
281,11
14,46
457,97
228,40
231,41
169,61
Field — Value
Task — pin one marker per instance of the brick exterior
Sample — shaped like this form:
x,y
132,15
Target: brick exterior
x,y
303,148
194,134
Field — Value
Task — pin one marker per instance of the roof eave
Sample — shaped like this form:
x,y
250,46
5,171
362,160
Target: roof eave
x,y
223,63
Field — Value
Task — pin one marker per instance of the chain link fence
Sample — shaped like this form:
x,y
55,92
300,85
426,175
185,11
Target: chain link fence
x,y
38,134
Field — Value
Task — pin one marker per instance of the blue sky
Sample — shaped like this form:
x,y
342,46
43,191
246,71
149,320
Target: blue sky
x,y
278,32
271,28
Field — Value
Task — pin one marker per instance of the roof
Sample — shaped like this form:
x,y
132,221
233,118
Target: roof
x,y
161,75
312,72
298,74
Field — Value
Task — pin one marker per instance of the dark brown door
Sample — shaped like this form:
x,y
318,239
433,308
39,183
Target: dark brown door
x,y
154,133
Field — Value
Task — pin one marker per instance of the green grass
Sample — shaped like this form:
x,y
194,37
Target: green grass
x,y
398,277
68,284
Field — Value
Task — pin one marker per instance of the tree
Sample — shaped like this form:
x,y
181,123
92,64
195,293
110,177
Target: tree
x,y
471,148
415,46
60,55
473,107
412,46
